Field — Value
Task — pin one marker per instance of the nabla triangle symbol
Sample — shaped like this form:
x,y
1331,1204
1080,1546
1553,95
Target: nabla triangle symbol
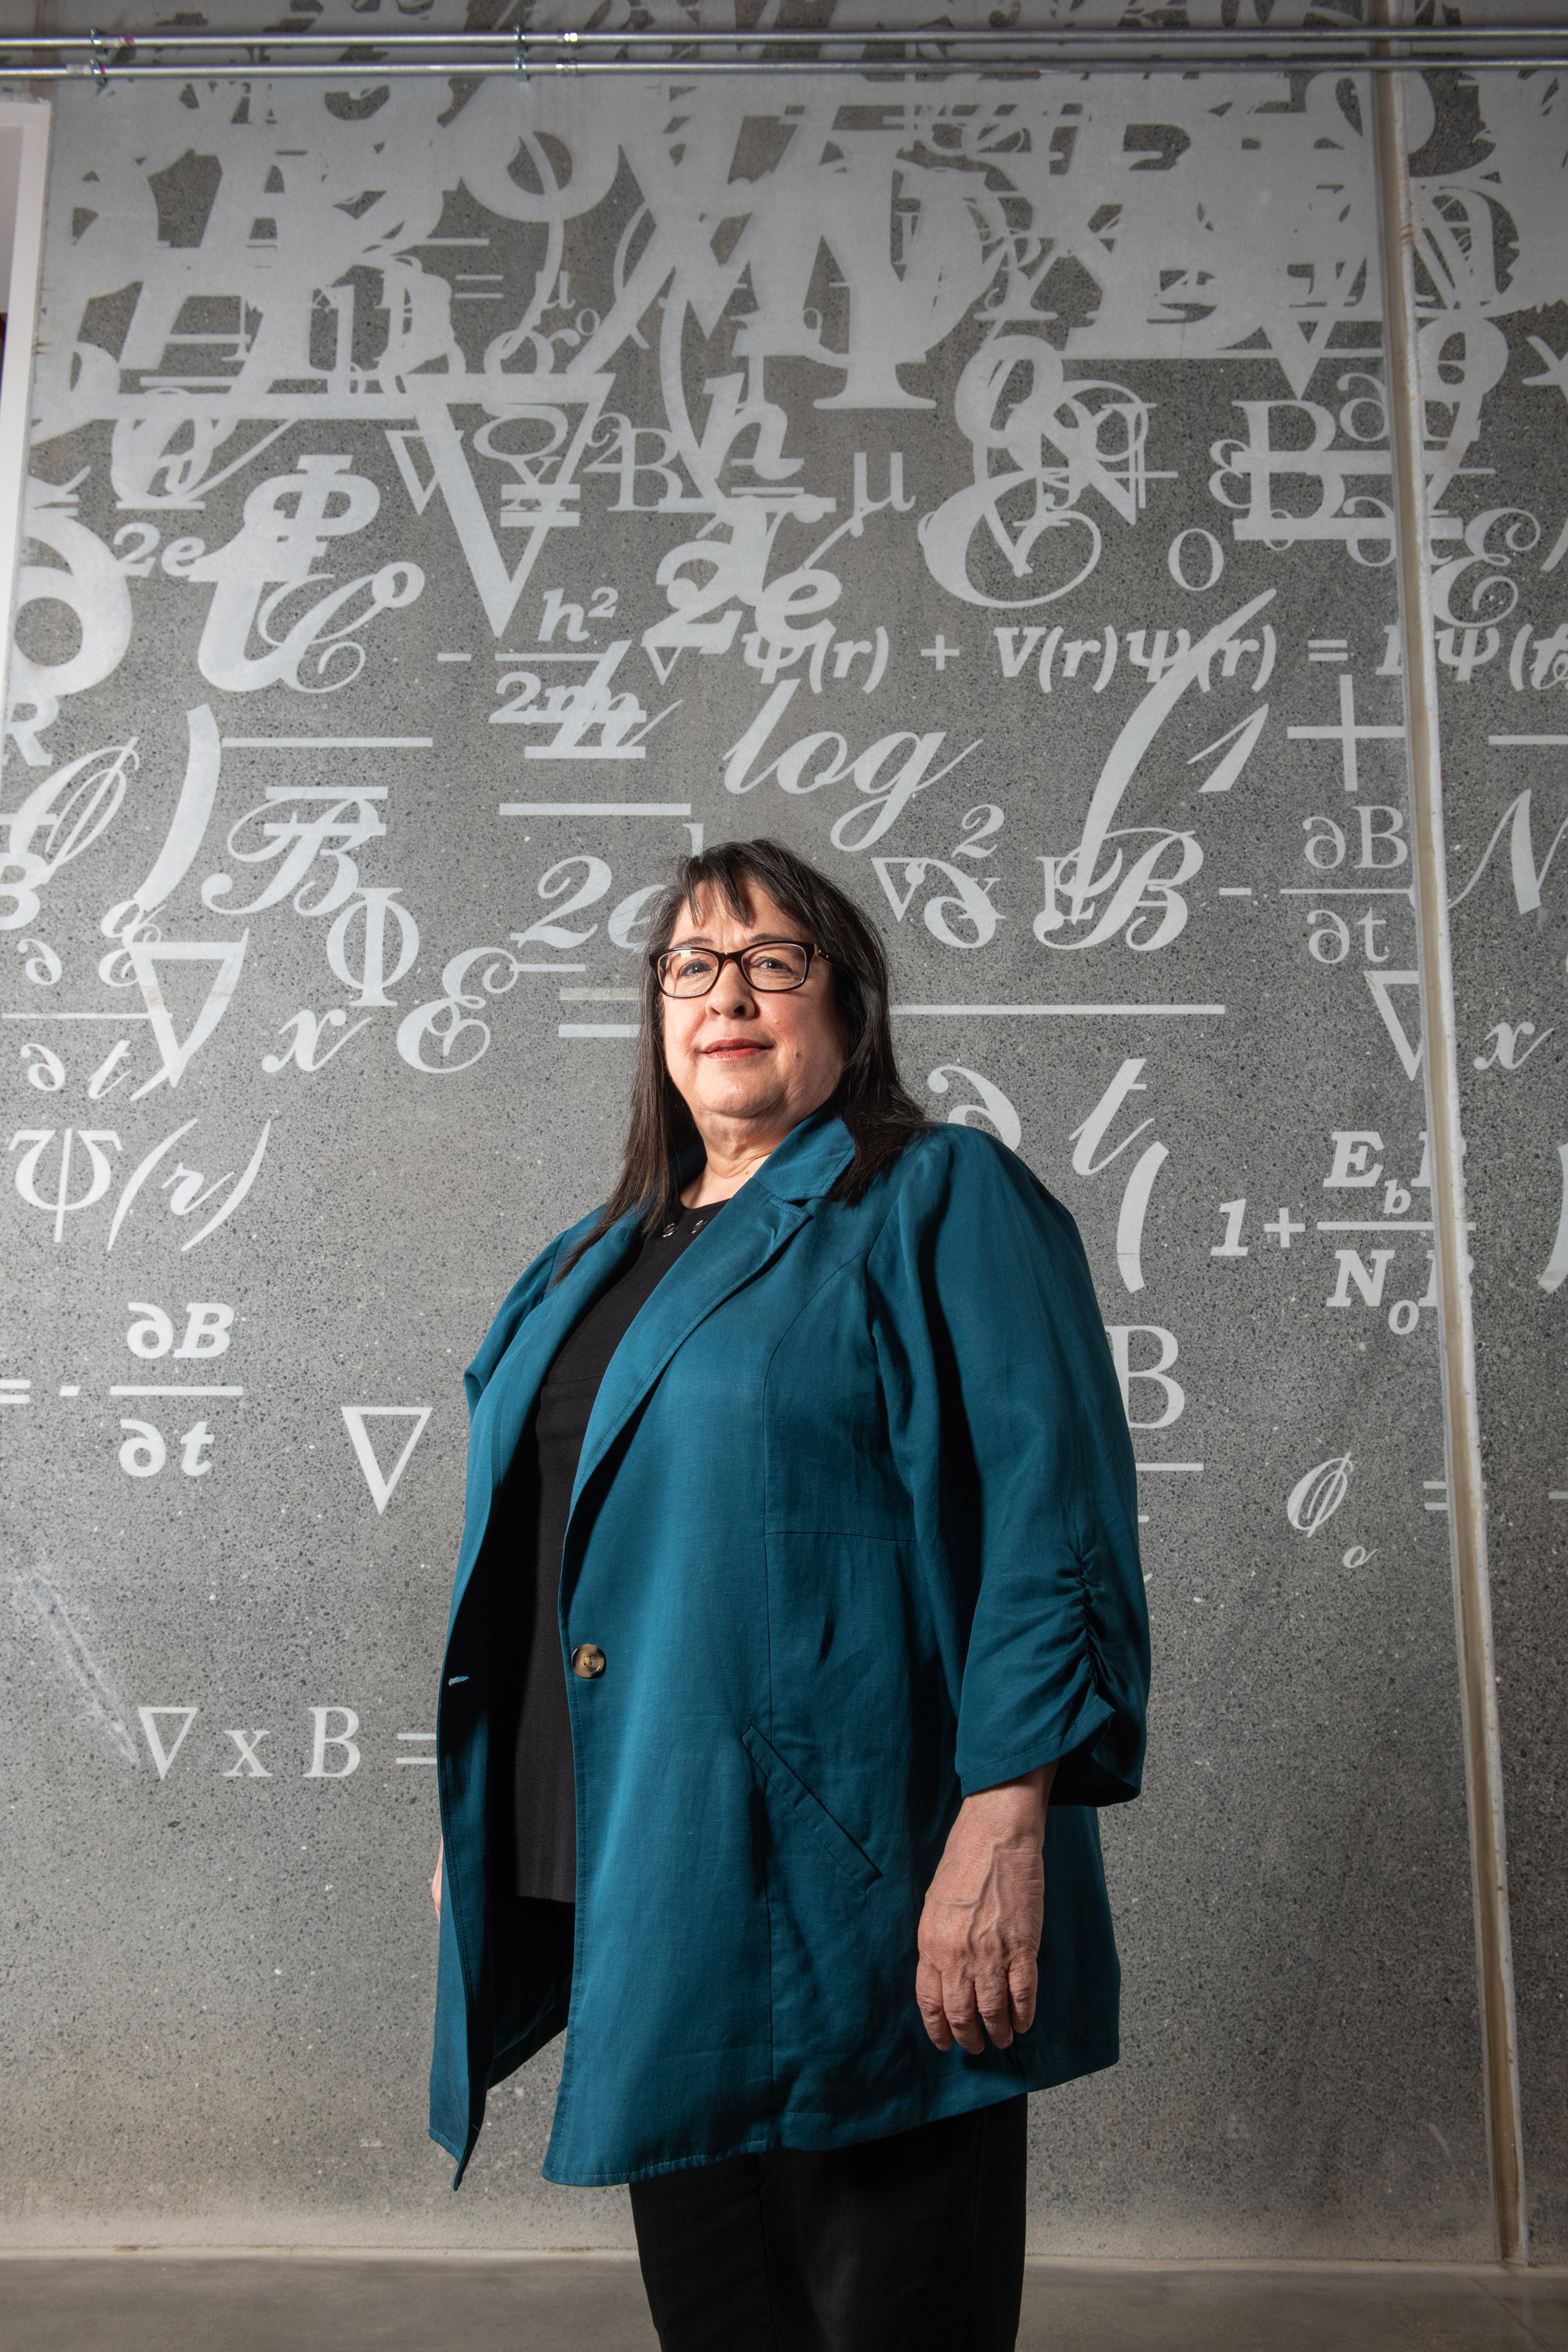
x,y
153,1728
383,1482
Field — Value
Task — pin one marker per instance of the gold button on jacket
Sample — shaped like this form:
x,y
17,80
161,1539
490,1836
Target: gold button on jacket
x,y
588,1660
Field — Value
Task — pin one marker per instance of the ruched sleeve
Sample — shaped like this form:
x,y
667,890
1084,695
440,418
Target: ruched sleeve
x,y
1005,1374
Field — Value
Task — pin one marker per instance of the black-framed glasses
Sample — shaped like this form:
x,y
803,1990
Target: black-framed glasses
x,y
770,966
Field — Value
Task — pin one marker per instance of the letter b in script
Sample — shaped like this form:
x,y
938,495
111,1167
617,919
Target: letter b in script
x,y
341,1740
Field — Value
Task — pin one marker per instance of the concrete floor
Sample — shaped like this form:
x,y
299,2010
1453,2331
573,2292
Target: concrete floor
x,y
587,2303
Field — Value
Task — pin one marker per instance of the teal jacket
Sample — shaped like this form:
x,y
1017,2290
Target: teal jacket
x,y
856,1529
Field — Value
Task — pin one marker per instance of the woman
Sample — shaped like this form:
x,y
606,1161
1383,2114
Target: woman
x,y
810,1447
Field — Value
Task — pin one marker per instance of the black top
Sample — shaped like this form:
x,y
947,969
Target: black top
x,y
545,1804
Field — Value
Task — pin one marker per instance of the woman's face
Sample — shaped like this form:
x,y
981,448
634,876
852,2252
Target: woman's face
x,y
764,1059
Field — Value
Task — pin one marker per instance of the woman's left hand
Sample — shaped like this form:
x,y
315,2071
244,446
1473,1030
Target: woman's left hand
x,y
980,1931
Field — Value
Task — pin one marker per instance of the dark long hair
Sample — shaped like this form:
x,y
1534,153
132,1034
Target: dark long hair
x,y
869,1098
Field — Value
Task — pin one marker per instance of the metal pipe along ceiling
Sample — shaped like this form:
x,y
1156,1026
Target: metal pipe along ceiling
x,y
160,55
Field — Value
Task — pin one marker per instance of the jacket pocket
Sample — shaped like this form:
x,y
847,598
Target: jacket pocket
x,y
787,1786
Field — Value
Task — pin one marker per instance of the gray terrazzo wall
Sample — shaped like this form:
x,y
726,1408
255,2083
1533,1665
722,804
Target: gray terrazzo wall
x,y
448,501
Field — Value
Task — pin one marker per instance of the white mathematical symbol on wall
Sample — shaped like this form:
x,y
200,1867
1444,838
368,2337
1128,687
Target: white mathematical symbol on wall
x,y
941,653
1349,734
1235,1214
383,1483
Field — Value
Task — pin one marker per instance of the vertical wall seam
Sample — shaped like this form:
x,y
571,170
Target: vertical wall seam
x,y
1461,1417
35,119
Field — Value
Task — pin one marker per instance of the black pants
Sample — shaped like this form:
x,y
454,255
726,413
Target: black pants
x,y
908,2244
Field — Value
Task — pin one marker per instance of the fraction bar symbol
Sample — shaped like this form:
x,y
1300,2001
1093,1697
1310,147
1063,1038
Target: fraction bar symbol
x,y
1191,1467
596,1029
383,1483
1066,1012
329,742
1527,739
595,808
1372,1226
180,1388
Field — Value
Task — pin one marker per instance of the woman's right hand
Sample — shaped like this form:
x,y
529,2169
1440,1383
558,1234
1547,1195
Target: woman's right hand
x,y
435,1882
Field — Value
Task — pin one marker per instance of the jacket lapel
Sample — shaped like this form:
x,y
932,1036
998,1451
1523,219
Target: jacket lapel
x,y
518,1378
512,1379
756,1225
743,1239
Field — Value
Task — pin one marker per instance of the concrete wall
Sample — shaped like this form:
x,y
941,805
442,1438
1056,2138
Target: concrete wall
x,y
448,503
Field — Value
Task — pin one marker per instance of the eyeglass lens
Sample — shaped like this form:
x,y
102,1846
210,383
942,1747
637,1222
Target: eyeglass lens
x,y
775,964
